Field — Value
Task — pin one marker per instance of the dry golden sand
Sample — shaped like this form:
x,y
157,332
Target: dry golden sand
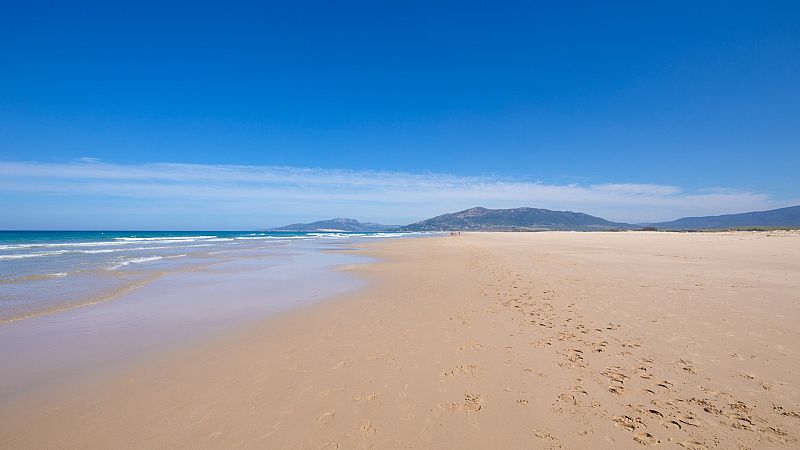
x,y
502,340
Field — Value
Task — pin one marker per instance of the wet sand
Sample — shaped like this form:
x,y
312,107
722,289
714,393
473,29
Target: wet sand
x,y
175,311
490,340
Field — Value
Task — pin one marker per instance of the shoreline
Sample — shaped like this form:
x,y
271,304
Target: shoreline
x,y
169,312
44,273
606,340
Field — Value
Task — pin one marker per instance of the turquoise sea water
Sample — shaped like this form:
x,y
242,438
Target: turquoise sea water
x,y
47,271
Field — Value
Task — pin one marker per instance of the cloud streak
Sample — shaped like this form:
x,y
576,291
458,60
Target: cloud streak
x,y
268,194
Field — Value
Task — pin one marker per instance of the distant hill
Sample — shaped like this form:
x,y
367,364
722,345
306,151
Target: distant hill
x,y
338,224
532,219
516,219
782,217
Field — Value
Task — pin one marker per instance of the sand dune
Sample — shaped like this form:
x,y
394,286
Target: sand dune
x,y
495,340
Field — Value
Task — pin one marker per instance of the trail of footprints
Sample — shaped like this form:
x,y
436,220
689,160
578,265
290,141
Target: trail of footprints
x,y
682,412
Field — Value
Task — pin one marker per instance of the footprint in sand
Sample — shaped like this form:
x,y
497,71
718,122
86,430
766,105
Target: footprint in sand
x,y
365,426
325,419
568,398
574,355
643,373
688,420
578,390
614,374
692,445
624,423
616,389
473,402
686,366
774,431
543,435
655,412
469,369
674,423
599,347
780,410
664,385
645,438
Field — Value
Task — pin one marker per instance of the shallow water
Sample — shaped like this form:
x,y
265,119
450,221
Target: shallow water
x,y
45,271
159,305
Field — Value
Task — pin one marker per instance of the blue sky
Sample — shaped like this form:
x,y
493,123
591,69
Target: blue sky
x,y
634,111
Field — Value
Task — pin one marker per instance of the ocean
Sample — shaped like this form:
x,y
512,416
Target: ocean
x,y
43,272
76,303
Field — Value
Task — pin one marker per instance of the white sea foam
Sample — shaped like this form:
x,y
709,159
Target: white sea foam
x,y
126,249
145,259
89,252
79,244
57,244
337,235
160,243
32,255
116,266
16,246
162,238
116,242
127,261
262,238
327,235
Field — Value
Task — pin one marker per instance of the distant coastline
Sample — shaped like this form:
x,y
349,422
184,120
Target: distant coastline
x,y
537,219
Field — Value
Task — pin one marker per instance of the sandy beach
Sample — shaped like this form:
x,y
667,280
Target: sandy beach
x,y
485,340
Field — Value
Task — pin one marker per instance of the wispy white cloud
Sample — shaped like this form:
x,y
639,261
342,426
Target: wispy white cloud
x,y
269,194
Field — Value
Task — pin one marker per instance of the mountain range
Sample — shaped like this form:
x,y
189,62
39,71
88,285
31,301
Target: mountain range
x,y
535,219
338,224
516,219
782,217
